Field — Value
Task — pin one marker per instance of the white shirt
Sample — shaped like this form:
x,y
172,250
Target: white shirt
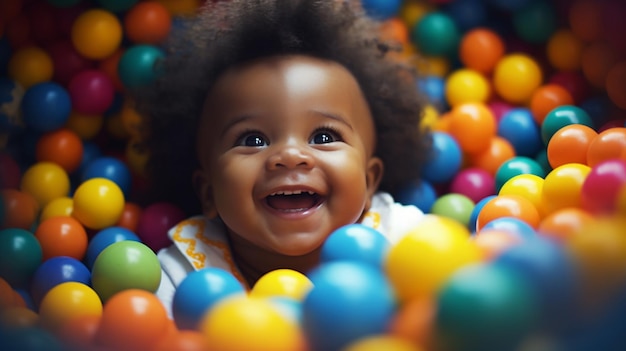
x,y
199,242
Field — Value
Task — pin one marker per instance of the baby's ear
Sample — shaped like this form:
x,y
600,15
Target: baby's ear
x,y
204,190
373,177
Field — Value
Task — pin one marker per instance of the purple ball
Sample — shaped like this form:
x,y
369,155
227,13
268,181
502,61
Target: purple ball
x,y
154,223
92,92
475,183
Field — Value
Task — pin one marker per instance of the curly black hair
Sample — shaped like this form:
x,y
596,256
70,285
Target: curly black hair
x,y
228,33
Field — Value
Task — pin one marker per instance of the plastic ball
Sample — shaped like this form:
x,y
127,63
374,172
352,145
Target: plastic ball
x,y
381,9
574,82
435,34
562,224
87,127
413,321
12,318
62,236
609,144
481,49
110,168
125,265
198,292
456,206
382,342
98,203
493,242
585,20
67,61
570,144
473,182
535,22
130,216
117,5
420,194
562,187
499,108
546,98
564,50
29,66
109,66
440,255
338,311
282,283
528,186
472,125
434,87
147,22
92,92
355,242
138,65
132,319
515,78
466,85
598,192
512,225
66,301
45,181
508,206
183,340
78,332
563,116
615,84
493,315
516,166
155,221
96,33
46,106
498,151
19,209
521,130
20,255
258,319
61,146
105,237
55,271
445,162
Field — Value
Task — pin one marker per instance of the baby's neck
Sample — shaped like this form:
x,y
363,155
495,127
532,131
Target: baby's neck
x,y
254,262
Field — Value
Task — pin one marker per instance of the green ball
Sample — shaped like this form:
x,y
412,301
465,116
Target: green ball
x,y
515,166
138,65
562,116
456,206
125,265
536,22
485,307
436,34
20,256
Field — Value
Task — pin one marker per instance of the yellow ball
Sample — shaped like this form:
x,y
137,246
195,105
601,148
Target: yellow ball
x,y
45,181
252,324
61,206
282,283
382,342
529,186
30,65
98,203
562,187
516,77
466,85
96,34
413,10
421,262
66,301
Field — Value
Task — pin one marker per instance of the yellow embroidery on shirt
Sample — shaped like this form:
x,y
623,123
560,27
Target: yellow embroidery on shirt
x,y
197,257
374,217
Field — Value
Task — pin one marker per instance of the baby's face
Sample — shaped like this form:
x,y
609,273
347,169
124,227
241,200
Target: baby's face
x,y
285,148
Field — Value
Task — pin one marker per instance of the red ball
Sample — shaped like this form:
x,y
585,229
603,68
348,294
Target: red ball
x,y
63,147
92,92
147,22
475,183
598,194
155,221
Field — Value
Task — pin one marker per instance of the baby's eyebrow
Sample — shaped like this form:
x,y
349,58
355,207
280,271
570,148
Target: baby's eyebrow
x,y
234,121
332,116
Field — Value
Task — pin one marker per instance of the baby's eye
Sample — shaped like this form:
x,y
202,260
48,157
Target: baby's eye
x,y
325,136
252,140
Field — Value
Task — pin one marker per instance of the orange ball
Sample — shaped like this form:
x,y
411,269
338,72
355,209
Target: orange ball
x,y
481,49
609,144
564,50
395,30
62,236
508,206
20,209
130,216
78,332
615,84
546,98
499,151
492,242
61,146
96,33
562,224
414,321
132,319
570,144
585,19
17,317
596,61
472,125
183,340
147,22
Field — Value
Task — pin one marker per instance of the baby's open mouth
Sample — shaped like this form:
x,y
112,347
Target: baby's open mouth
x,y
293,201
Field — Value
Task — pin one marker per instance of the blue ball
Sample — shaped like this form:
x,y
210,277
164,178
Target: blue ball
x,y
512,225
46,106
105,237
349,301
57,270
434,89
467,14
199,291
356,242
381,9
110,168
520,128
446,160
420,194
91,151
476,211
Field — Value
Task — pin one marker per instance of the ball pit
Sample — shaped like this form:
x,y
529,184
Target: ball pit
x,y
524,193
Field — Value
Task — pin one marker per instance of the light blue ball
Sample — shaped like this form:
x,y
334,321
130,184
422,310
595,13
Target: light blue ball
x,y
520,128
445,161
420,194
105,237
355,242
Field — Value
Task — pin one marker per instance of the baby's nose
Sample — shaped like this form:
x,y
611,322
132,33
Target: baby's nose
x,y
290,156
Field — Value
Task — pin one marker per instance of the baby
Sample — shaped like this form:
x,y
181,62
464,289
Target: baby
x,y
272,124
